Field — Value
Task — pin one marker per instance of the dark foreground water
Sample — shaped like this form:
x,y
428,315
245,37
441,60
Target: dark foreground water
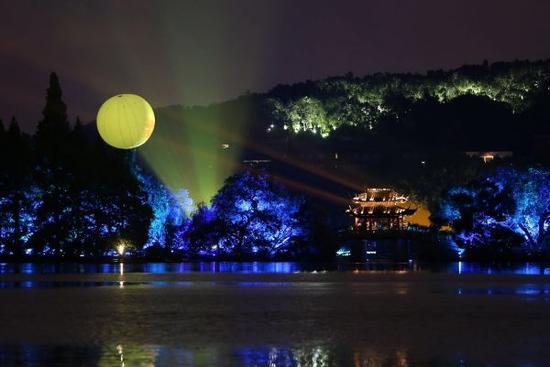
x,y
274,314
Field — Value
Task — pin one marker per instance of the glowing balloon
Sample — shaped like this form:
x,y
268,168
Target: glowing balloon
x,y
125,121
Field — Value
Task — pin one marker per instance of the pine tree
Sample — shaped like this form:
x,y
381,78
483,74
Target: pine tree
x,y
55,111
14,129
53,129
53,173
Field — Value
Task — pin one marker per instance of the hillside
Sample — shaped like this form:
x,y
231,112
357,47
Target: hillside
x,y
334,136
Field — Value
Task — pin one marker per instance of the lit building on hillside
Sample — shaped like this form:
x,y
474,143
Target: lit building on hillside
x,y
487,156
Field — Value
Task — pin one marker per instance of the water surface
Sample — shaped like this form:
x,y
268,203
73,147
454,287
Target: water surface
x,y
256,267
274,314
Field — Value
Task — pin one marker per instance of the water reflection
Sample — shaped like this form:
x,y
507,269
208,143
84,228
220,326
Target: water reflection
x,y
67,284
460,267
523,290
154,268
268,356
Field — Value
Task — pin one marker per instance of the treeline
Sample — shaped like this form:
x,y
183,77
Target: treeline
x,y
65,193
408,131
322,106
253,216
469,107
412,131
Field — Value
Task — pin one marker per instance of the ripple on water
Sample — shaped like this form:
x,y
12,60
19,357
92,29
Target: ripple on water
x,y
225,356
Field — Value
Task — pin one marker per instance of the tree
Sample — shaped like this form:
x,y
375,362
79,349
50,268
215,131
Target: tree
x,y
89,197
308,114
201,234
168,209
250,216
530,191
258,216
53,130
52,173
17,195
510,203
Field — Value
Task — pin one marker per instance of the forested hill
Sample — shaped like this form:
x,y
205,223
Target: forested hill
x,y
324,105
380,126
488,106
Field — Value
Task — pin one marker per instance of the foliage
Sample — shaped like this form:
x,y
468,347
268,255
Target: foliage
x,y
322,106
250,215
63,193
508,206
169,209
201,234
530,191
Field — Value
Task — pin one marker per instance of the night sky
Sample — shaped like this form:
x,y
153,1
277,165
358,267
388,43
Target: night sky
x,y
198,52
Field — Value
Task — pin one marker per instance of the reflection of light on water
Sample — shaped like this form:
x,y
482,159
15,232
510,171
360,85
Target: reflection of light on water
x,y
522,290
211,355
121,272
459,267
374,358
462,267
273,355
402,291
315,357
130,356
401,359
530,269
121,354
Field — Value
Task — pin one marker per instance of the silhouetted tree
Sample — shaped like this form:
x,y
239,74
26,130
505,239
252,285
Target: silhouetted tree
x,y
53,175
17,196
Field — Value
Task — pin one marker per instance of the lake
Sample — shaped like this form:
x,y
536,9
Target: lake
x,y
274,314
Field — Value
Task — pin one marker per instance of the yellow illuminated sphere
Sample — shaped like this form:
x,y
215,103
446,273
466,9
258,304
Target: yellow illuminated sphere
x,y
125,121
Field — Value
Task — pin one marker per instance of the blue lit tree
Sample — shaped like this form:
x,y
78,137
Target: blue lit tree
x,y
250,216
18,197
505,206
531,193
159,199
201,234
476,211
169,209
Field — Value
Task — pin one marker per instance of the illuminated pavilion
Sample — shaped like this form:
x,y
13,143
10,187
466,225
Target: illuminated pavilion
x,y
380,209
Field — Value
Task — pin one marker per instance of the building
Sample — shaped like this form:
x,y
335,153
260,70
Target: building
x,y
380,209
488,156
